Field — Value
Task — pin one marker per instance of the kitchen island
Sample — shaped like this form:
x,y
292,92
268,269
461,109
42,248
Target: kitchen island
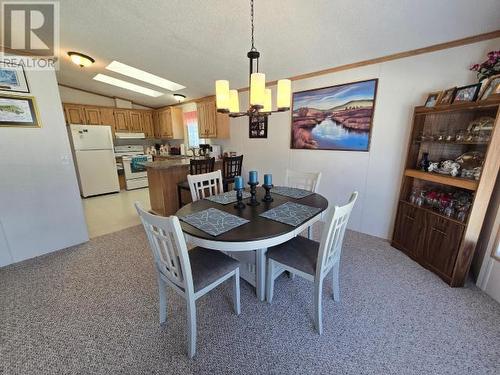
x,y
163,177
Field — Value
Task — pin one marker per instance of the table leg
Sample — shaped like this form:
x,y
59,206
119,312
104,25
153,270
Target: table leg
x,y
260,274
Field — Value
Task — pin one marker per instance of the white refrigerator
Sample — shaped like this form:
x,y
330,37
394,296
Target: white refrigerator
x,y
94,157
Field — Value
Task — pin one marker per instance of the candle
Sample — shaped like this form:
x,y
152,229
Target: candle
x,y
238,183
252,177
268,179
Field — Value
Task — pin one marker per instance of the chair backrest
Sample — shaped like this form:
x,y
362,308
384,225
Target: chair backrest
x,y
205,185
199,166
231,166
333,235
303,180
168,245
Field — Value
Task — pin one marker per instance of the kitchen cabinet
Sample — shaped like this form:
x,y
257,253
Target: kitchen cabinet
x,y
92,115
135,122
169,123
147,124
107,116
122,120
211,124
74,114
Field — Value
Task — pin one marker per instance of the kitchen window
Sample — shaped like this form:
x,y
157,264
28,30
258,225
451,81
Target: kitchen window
x,y
191,121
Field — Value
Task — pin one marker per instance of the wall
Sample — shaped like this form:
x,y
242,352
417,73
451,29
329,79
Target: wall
x,y
376,174
70,95
40,204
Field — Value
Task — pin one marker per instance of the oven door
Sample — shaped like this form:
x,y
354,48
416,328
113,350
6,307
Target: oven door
x,y
133,167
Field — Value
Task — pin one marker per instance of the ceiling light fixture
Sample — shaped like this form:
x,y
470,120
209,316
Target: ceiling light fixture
x,y
127,85
141,75
81,59
179,97
260,98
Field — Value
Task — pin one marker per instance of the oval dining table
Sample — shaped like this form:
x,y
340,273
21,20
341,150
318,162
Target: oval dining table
x,y
249,242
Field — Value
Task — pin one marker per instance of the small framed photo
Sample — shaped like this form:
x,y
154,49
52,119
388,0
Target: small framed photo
x,y
447,96
467,93
433,99
13,78
18,111
492,87
257,127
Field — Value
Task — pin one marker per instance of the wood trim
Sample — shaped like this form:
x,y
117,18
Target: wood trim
x,y
443,179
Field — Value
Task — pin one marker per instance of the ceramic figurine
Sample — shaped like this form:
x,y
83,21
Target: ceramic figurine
x,y
433,167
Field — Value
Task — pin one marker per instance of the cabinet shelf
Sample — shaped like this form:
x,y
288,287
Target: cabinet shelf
x,y
454,142
443,179
427,209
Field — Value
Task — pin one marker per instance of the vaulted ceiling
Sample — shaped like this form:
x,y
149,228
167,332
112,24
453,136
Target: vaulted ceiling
x,y
196,42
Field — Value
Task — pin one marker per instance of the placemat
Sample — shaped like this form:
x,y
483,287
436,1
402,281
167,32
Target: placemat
x,y
291,213
213,221
226,198
291,192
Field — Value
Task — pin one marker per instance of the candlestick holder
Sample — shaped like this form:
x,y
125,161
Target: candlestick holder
x,y
239,196
267,197
253,193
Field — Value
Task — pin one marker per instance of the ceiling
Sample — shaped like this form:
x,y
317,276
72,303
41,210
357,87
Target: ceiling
x,y
196,42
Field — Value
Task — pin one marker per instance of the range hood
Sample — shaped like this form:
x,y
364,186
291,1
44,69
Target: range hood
x,y
130,135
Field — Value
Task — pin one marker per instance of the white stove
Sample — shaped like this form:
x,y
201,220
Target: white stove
x,y
133,159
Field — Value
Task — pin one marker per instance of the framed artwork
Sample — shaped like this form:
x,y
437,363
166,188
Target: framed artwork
x,y
334,118
18,111
13,78
447,96
433,98
491,87
467,93
257,127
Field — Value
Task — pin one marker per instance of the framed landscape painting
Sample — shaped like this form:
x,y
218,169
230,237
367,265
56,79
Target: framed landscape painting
x,y
18,111
12,78
334,118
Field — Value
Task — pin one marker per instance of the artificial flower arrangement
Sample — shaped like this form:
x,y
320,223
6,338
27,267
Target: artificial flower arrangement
x,y
489,67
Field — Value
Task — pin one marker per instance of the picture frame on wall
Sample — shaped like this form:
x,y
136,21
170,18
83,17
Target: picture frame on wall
x,y
19,111
433,99
467,93
13,78
257,127
337,117
447,97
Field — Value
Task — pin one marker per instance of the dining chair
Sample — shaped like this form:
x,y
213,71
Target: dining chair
x,y
205,184
231,167
303,180
196,166
312,260
191,274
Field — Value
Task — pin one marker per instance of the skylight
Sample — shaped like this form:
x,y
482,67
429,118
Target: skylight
x,y
141,75
127,85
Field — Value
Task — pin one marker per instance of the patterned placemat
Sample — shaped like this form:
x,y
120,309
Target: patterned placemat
x,y
226,198
291,192
291,213
213,221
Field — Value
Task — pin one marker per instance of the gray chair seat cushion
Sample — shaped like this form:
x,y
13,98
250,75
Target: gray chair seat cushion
x,y
183,185
300,253
208,266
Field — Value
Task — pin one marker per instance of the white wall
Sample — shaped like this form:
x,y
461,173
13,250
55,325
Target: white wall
x,y
40,204
70,95
376,174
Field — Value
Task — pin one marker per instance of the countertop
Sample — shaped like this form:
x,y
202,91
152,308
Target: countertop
x,y
171,162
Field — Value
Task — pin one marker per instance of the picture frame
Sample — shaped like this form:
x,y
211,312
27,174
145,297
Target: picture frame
x,y
433,99
19,111
491,87
257,126
13,78
467,93
447,97
334,118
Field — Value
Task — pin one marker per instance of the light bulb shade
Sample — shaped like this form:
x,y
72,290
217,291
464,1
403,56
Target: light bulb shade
x,y
222,94
81,59
284,94
268,104
234,101
257,89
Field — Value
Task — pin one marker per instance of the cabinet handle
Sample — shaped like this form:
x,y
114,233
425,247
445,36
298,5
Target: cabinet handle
x,y
409,217
439,231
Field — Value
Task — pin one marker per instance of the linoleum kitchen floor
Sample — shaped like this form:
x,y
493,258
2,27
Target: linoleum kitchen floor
x,y
93,309
113,212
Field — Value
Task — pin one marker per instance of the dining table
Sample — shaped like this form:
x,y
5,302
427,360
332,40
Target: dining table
x,y
249,242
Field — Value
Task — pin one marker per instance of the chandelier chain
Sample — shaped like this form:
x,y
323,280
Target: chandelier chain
x,y
251,21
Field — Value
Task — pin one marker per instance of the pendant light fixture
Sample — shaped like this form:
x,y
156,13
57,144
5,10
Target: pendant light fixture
x,y
260,98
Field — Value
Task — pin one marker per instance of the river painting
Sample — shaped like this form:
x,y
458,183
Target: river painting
x,y
334,118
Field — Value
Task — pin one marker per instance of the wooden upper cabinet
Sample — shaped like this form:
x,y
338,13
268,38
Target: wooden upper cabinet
x,y
169,123
107,117
147,124
74,114
92,115
135,122
211,124
122,120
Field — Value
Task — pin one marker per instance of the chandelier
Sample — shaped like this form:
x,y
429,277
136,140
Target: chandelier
x,y
260,98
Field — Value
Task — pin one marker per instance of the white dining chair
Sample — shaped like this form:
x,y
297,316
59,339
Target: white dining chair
x,y
303,180
312,260
205,184
191,274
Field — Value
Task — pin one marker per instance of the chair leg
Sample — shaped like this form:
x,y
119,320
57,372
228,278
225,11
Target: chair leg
x,y
309,232
236,292
162,290
318,319
191,325
179,196
270,280
336,282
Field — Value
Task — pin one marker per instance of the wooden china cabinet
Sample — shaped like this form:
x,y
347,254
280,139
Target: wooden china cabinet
x,y
439,216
